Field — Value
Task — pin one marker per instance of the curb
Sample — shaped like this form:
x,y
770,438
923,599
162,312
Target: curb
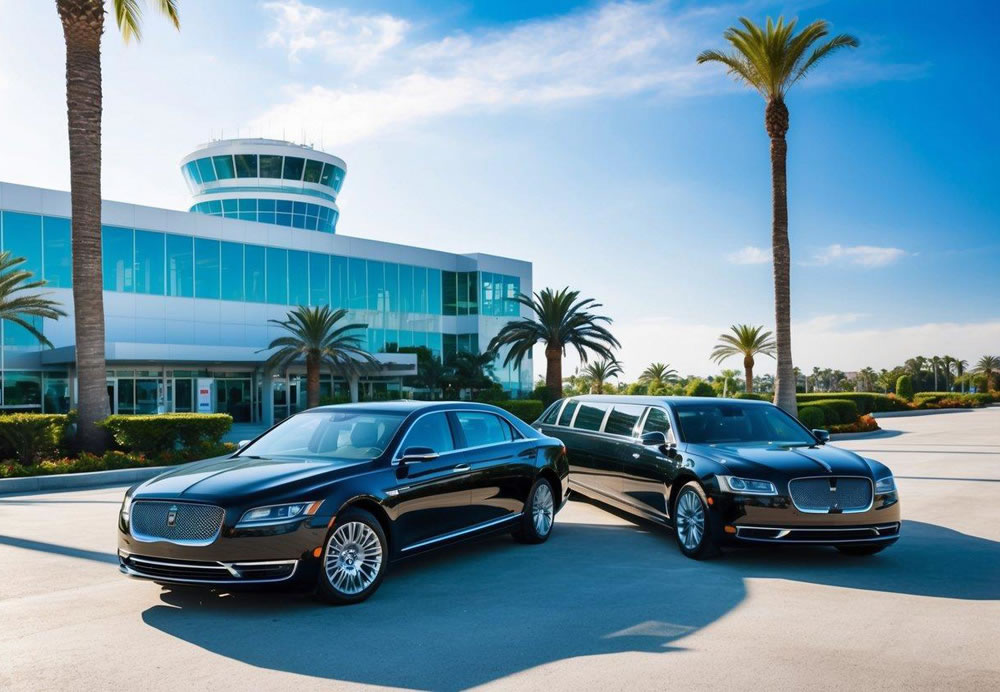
x,y
925,412
75,481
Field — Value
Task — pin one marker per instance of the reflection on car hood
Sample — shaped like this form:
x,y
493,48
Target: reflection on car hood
x,y
795,461
233,477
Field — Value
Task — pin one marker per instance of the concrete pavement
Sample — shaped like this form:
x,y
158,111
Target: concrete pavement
x,y
605,604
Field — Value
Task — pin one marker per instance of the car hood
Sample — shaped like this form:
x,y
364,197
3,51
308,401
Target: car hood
x,y
793,461
237,477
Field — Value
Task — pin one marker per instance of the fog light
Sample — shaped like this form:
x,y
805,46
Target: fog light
x,y
730,529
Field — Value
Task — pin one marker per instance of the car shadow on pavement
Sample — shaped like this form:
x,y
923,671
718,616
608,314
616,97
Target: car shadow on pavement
x,y
489,609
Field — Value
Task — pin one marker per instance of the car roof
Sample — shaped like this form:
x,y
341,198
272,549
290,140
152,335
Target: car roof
x,y
645,400
407,406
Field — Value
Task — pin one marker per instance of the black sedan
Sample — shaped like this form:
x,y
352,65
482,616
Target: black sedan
x,y
724,471
330,496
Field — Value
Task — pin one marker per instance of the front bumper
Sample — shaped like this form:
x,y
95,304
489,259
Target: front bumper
x,y
196,572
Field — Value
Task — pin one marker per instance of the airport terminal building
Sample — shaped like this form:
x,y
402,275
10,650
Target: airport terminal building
x,y
188,295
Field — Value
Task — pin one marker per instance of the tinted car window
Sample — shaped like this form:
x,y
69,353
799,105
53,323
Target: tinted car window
x,y
322,434
590,416
430,431
482,428
567,414
656,421
622,419
550,415
734,423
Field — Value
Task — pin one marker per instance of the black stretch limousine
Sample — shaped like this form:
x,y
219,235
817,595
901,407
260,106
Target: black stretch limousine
x,y
724,471
331,495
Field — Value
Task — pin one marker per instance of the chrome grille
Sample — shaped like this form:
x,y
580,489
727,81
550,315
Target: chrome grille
x,y
177,522
831,494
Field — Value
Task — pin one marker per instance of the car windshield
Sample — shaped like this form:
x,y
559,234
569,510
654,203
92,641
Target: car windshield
x,y
340,435
733,423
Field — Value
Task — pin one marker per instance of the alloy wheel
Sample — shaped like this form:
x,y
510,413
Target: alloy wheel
x,y
542,509
353,558
690,519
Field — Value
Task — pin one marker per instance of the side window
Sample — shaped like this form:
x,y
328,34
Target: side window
x,y
590,417
657,421
623,419
482,428
430,431
567,414
550,416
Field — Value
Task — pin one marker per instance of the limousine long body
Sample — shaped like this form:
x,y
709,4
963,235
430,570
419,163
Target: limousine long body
x,y
723,472
330,496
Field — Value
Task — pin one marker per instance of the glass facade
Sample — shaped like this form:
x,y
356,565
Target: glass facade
x,y
226,167
305,215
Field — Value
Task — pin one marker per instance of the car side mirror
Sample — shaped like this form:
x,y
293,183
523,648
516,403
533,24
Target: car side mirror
x,y
822,436
415,455
654,439
242,443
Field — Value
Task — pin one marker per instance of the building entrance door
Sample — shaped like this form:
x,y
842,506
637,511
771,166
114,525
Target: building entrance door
x,y
183,395
232,396
112,397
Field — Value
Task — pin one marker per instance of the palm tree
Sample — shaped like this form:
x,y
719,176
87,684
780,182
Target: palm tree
x,y
83,25
472,371
17,303
746,341
559,320
960,366
658,374
600,372
727,377
771,59
314,334
988,365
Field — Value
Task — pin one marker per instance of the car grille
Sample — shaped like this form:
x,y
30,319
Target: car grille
x,y
834,494
207,572
177,522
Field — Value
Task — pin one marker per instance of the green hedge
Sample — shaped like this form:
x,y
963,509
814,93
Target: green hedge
x,y
29,437
835,411
527,410
754,396
812,417
167,431
699,388
904,387
951,400
114,460
867,402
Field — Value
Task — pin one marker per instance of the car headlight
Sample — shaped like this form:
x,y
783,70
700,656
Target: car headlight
x,y
747,486
885,485
277,514
126,508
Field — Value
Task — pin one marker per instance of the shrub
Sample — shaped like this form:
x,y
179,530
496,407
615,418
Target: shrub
x,y
863,424
115,460
527,410
753,395
836,411
29,437
167,431
331,400
812,417
951,400
904,387
698,387
867,402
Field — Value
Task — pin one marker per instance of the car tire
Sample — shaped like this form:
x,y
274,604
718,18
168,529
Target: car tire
x,y
539,514
861,550
693,523
354,559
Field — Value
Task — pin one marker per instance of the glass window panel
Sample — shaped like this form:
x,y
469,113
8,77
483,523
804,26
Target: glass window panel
x,y
283,206
253,259
312,223
376,285
590,416
298,277
473,297
434,284
16,335
206,268
277,276
462,293
214,206
513,290
450,347
338,178
299,208
270,166
656,421
406,303
117,257
622,419
391,293
265,205
22,236
567,413
338,282
327,175
357,280
319,279
246,165
376,340
229,205
247,205
149,263
232,271
58,270
420,289
405,338
206,170
224,167
449,292
486,290
431,432
265,217
314,170
180,266
434,343
191,167
56,393
293,168
419,338
481,429
22,388
283,219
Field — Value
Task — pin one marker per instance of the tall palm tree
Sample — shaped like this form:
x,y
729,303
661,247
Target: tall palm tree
x,y
317,335
727,377
960,367
472,371
771,59
83,25
600,372
746,341
988,365
18,299
559,320
658,374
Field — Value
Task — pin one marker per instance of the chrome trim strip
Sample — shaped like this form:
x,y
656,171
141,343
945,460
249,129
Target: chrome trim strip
x,y
133,572
785,531
821,541
827,511
892,525
143,538
462,532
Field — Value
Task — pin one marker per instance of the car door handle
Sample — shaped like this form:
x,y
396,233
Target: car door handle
x,y
462,467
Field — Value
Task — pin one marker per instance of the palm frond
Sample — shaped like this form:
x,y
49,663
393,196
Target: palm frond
x,y
128,16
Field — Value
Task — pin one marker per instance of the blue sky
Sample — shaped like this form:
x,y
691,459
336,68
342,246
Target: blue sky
x,y
582,137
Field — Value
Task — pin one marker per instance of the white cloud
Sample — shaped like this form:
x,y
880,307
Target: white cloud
x,y
749,255
861,255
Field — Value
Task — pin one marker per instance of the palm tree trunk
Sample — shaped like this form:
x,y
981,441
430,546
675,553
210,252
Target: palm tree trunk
x,y
748,373
553,372
312,381
776,122
83,24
